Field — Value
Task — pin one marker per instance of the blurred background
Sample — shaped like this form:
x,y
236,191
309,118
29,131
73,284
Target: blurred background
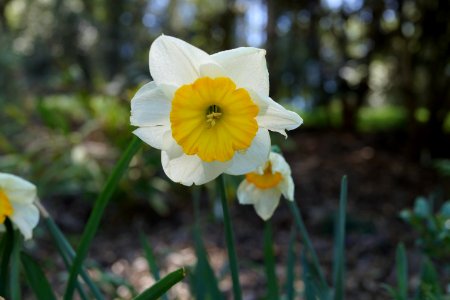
x,y
370,78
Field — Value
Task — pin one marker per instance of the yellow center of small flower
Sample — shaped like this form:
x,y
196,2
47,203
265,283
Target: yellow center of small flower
x,y
266,180
6,209
213,119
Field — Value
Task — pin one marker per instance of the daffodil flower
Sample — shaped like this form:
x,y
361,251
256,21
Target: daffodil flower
x,y
209,114
263,188
17,198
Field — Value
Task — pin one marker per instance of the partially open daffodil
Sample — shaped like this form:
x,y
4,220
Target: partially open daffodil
x,y
17,198
209,114
263,188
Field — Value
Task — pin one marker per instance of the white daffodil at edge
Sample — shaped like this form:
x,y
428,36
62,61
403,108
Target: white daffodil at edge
x,y
17,198
209,114
263,188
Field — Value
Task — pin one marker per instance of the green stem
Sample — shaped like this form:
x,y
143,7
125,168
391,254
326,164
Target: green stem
x,y
68,254
307,242
7,250
229,236
269,262
14,284
97,213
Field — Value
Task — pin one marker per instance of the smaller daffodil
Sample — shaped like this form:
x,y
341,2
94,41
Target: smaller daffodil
x,y
17,198
264,187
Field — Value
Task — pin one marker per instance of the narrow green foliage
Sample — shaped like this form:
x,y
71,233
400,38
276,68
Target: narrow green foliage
x,y
97,213
162,286
36,278
290,269
315,269
205,281
401,262
229,236
269,263
310,287
151,261
14,283
68,254
429,288
339,245
7,249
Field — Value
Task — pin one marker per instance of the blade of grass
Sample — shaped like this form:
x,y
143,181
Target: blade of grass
x,y
402,272
6,256
269,263
151,261
203,270
14,283
97,213
339,244
290,269
67,253
430,287
36,278
310,252
229,237
162,286
308,291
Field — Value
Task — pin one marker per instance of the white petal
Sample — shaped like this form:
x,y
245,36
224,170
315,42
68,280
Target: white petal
x,y
246,67
287,187
255,156
273,116
190,169
25,217
171,147
150,106
152,135
268,200
173,61
17,189
212,70
168,90
279,164
246,193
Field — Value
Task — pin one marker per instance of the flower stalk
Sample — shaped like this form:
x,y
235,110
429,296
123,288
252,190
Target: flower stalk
x,y
229,236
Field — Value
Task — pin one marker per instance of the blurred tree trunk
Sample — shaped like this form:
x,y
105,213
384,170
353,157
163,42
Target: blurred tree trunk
x,y
113,38
273,12
436,39
3,21
227,23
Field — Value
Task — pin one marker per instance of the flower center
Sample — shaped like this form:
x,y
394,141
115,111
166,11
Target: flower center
x,y
213,119
266,180
6,209
212,115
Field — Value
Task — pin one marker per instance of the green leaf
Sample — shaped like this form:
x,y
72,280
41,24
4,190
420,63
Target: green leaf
x,y
14,283
445,209
7,249
162,286
391,291
269,262
68,254
36,278
430,286
204,278
97,213
229,238
290,269
339,245
315,269
151,261
402,272
422,208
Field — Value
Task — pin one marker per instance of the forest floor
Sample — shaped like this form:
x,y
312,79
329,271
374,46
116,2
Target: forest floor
x,y
382,182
